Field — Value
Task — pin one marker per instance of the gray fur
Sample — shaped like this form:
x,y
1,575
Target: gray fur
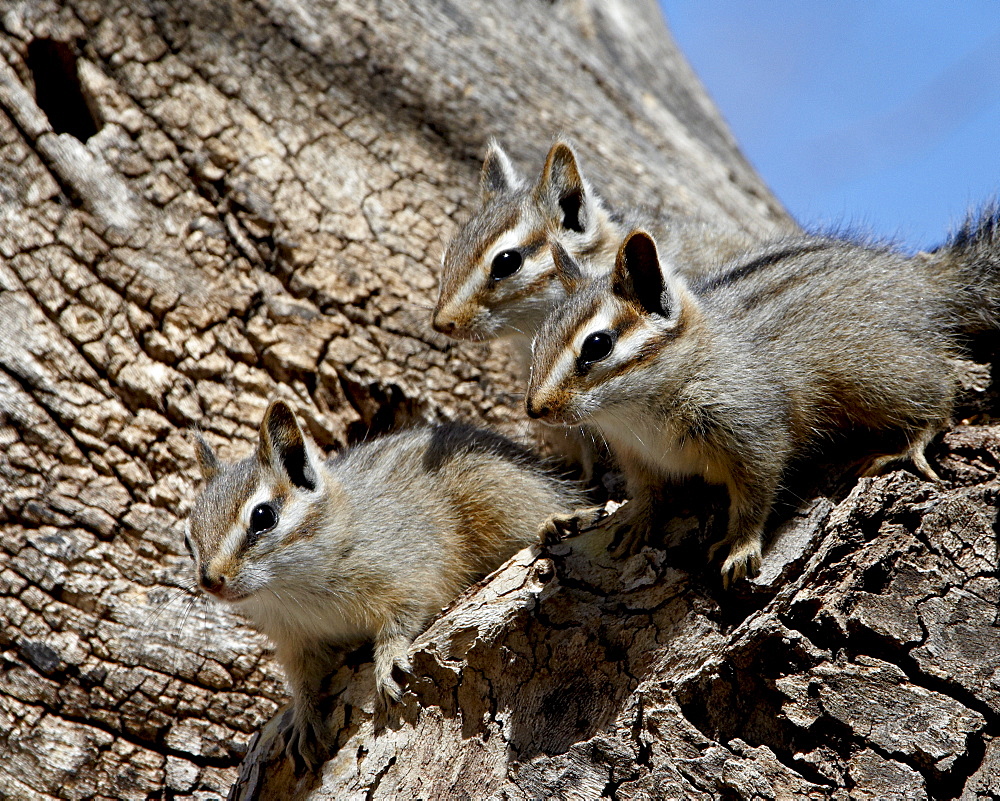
x,y
515,307
394,530
970,262
761,360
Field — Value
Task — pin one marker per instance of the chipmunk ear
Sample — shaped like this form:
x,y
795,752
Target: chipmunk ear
x,y
207,460
498,175
564,191
637,275
285,448
567,270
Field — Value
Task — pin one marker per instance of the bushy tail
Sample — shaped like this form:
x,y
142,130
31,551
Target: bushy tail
x,y
970,262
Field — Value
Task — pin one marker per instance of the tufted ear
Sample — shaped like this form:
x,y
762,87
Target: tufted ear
x,y
638,277
207,460
284,446
567,270
498,176
564,191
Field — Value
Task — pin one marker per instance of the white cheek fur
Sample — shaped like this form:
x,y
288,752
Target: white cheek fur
x,y
629,346
475,281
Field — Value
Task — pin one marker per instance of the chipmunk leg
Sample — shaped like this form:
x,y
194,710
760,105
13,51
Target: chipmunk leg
x,y
306,737
633,523
391,651
914,452
748,510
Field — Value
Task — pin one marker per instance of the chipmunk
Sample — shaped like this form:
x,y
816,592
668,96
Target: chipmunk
x,y
733,375
369,545
498,279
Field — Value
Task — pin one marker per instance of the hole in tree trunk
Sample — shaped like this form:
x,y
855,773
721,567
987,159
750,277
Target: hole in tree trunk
x,y
57,88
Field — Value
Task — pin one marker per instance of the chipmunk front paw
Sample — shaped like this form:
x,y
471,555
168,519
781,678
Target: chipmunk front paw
x,y
743,561
628,539
305,739
631,526
391,654
560,527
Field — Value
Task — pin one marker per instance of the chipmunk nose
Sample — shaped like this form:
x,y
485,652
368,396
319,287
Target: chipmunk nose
x,y
536,411
442,326
210,583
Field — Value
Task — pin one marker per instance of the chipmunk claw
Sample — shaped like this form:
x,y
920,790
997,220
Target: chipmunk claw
x,y
304,739
390,690
627,540
395,654
561,527
743,562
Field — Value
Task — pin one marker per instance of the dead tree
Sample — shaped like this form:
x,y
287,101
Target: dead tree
x,y
208,203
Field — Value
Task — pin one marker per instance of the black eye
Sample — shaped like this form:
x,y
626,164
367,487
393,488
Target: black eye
x,y
262,518
188,545
506,262
596,347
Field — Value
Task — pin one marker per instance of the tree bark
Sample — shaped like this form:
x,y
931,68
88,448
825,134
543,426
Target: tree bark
x,y
248,199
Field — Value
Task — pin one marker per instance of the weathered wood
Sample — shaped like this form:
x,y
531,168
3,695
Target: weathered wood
x,y
261,212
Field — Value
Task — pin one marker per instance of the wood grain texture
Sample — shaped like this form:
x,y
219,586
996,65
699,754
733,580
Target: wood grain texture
x,y
261,212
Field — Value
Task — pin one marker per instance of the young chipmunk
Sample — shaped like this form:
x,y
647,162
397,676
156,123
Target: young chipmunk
x,y
366,546
734,375
498,278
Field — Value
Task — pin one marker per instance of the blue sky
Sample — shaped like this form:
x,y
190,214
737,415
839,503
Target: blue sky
x,y
881,116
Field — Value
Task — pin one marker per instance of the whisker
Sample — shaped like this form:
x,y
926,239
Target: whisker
x,y
415,305
625,424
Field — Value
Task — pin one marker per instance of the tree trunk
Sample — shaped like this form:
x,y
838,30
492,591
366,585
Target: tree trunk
x,y
209,203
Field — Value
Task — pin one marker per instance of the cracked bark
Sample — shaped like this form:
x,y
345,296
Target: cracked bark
x,y
257,207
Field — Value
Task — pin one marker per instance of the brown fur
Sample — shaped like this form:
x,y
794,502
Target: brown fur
x,y
755,364
366,546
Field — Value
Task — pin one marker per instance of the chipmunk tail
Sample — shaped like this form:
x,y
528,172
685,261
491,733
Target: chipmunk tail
x,y
969,261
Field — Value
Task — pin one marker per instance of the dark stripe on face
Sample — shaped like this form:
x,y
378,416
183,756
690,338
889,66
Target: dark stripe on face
x,y
537,285
506,224
751,267
534,243
623,324
221,503
309,527
649,352
474,241
592,249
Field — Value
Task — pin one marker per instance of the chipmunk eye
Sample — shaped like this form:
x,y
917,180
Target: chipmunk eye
x,y
262,518
188,545
596,347
505,263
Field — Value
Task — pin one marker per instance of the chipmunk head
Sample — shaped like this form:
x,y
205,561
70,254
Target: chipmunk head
x,y
498,278
242,524
590,354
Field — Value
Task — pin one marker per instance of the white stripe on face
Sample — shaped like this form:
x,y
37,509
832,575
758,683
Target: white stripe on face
x,y
557,375
233,542
627,348
565,365
514,238
475,281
